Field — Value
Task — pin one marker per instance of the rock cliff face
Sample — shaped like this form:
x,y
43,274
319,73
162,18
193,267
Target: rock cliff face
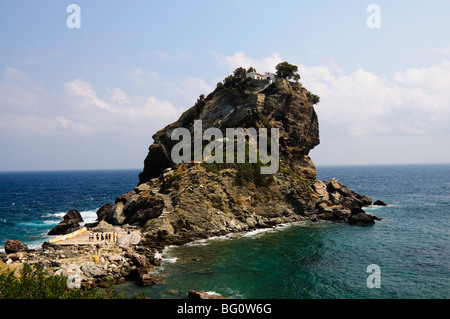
x,y
175,204
249,104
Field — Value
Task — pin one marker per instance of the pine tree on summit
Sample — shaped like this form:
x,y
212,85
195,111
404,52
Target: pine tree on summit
x,y
287,71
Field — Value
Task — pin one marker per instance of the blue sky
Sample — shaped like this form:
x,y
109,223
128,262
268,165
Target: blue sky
x,y
92,97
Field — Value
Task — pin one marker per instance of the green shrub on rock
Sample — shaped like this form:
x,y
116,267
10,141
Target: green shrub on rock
x,y
34,282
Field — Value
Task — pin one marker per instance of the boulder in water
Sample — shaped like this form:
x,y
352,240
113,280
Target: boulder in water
x,y
69,224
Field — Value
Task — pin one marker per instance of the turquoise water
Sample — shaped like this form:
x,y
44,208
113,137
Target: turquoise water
x,y
310,260
325,260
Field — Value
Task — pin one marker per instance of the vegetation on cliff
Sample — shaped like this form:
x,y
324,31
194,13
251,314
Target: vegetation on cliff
x,y
34,282
288,71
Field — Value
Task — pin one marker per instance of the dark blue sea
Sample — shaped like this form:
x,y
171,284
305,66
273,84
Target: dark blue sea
x,y
31,203
410,245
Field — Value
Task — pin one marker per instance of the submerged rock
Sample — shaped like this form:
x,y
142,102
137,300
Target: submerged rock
x,y
144,278
362,219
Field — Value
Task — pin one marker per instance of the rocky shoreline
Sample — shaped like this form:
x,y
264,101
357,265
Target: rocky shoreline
x,y
89,265
99,265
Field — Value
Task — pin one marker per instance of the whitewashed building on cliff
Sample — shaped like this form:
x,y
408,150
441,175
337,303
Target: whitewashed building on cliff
x,y
255,76
258,76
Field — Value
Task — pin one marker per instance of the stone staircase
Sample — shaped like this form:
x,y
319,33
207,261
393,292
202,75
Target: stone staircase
x,y
168,208
265,87
161,222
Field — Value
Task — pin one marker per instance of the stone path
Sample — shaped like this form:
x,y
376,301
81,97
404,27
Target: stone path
x,y
83,239
168,208
265,87
162,222
124,238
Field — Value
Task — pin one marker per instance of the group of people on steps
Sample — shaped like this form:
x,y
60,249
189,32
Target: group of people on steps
x,y
108,237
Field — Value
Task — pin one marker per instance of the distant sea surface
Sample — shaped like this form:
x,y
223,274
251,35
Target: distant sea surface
x,y
32,203
411,244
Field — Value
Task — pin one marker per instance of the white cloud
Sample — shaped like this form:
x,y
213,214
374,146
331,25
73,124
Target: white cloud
x,y
29,109
118,96
415,101
361,103
150,109
411,102
435,78
86,95
35,125
18,93
128,114
240,59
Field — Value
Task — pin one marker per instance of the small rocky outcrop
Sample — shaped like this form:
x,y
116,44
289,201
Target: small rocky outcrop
x,y
143,278
14,246
361,219
336,202
143,265
69,224
379,203
73,214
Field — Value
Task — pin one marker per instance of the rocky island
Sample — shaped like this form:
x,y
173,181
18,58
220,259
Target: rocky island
x,y
176,203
